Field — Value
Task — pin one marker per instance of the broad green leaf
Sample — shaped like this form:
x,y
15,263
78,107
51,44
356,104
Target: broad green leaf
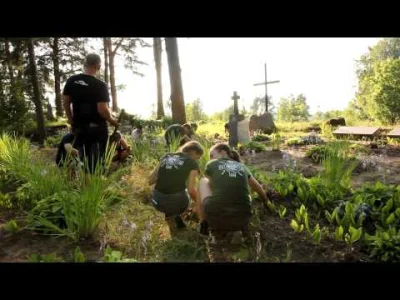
x,y
390,219
355,234
328,216
339,233
306,222
300,193
398,212
358,199
320,200
291,187
317,234
386,209
301,228
338,220
294,225
78,255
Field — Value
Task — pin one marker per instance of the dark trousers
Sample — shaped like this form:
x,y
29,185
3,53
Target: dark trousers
x,y
170,204
92,142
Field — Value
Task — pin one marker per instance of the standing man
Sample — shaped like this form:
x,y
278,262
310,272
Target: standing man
x,y
89,98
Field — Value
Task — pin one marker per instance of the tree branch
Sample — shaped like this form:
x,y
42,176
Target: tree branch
x,y
117,46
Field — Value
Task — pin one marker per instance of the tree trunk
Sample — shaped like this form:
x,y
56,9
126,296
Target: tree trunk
x,y
177,101
57,77
105,44
157,59
36,92
112,77
9,62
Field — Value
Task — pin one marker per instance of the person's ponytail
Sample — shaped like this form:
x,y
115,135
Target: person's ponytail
x,y
234,155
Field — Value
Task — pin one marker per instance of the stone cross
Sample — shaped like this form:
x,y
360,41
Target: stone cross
x,y
235,99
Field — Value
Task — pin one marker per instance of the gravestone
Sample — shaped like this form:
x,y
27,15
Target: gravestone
x,y
233,121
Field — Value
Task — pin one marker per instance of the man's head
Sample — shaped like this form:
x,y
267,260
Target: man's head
x,y
187,128
140,127
92,63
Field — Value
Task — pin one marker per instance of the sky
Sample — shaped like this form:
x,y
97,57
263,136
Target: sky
x,y
323,69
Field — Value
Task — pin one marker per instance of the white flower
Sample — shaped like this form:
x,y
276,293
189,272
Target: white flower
x,y
133,226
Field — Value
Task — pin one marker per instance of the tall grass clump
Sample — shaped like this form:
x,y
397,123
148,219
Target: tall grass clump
x,y
76,211
327,131
15,157
338,165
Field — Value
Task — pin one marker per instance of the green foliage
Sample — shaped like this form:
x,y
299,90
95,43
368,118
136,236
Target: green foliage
x,y
276,141
282,211
260,138
378,74
258,106
294,141
293,109
78,256
48,258
194,111
111,255
256,146
384,245
11,226
53,141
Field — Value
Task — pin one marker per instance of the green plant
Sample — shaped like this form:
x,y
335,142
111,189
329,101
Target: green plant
x,y
338,166
353,235
296,226
294,141
316,234
339,231
384,245
276,141
78,256
256,146
111,255
260,138
53,141
327,131
47,258
282,211
11,226
317,153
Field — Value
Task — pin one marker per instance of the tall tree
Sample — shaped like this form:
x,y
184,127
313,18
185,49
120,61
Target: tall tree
x,y
105,47
258,106
127,47
157,48
36,92
386,91
367,66
293,109
177,101
57,78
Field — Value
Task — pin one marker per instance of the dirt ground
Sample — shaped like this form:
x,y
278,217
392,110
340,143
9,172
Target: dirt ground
x,y
389,163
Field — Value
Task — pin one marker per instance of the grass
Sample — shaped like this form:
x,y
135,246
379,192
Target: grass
x,y
115,209
338,165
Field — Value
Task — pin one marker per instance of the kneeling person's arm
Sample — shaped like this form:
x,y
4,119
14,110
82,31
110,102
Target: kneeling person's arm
x,y
256,187
153,175
191,186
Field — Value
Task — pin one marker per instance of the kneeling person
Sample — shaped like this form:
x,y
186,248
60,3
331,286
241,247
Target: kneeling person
x,y
66,149
182,133
175,181
122,148
224,192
